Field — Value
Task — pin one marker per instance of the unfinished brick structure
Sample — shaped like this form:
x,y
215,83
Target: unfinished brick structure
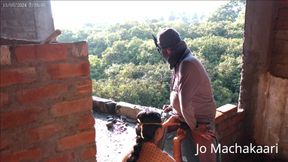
x,y
264,84
46,103
45,90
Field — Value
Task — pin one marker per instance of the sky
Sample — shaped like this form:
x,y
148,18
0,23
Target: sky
x,y
74,14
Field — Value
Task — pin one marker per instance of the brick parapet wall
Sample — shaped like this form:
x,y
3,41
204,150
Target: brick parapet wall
x,y
228,120
46,103
230,129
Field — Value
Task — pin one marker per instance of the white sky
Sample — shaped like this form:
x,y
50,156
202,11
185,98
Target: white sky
x,y
71,14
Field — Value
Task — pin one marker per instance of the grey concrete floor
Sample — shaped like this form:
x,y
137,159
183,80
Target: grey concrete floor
x,y
114,143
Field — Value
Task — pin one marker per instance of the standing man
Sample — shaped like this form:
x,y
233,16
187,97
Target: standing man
x,y
190,96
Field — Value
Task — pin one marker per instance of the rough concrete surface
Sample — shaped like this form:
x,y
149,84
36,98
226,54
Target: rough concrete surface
x,y
114,143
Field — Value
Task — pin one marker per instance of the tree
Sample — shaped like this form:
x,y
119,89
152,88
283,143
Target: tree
x,y
228,12
221,57
125,65
139,84
97,44
96,67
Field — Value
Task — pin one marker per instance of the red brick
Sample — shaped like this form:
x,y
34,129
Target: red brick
x,y
68,107
282,3
45,131
228,138
80,49
237,119
223,125
283,13
280,70
4,99
61,158
51,52
279,58
35,53
86,121
84,87
281,34
5,141
19,117
24,155
77,140
41,93
5,55
281,48
231,125
91,160
219,117
282,24
16,76
226,130
89,153
228,110
228,123
68,70
25,53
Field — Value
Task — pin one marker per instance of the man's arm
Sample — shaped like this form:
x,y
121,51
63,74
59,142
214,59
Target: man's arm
x,y
190,78
180,135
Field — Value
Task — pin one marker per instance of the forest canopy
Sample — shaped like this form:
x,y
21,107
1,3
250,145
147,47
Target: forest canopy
x,y
125,65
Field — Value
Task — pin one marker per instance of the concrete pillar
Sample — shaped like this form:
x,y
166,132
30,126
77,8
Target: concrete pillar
x,y
28,20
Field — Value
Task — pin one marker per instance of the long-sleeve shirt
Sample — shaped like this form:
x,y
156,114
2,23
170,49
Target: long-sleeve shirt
x,y
191,94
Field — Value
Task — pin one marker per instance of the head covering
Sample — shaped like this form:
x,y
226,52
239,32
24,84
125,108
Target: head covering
x,y
168,38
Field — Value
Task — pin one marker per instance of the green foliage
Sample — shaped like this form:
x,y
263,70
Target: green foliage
x,y
96,67
97,45
221,57
125,65
228,12
141,84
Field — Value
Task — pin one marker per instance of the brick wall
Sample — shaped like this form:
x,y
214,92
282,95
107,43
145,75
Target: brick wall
x,y
230,129
46,103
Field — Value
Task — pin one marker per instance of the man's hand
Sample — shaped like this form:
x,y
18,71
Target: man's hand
x,y
167,108
203,132
172,121
180,135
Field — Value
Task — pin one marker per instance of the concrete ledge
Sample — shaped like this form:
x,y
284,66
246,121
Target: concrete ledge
x,y
129,110
228,109
104,105
119,108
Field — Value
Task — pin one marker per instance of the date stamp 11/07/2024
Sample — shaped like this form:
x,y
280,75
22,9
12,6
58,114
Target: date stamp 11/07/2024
x,y
19,4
